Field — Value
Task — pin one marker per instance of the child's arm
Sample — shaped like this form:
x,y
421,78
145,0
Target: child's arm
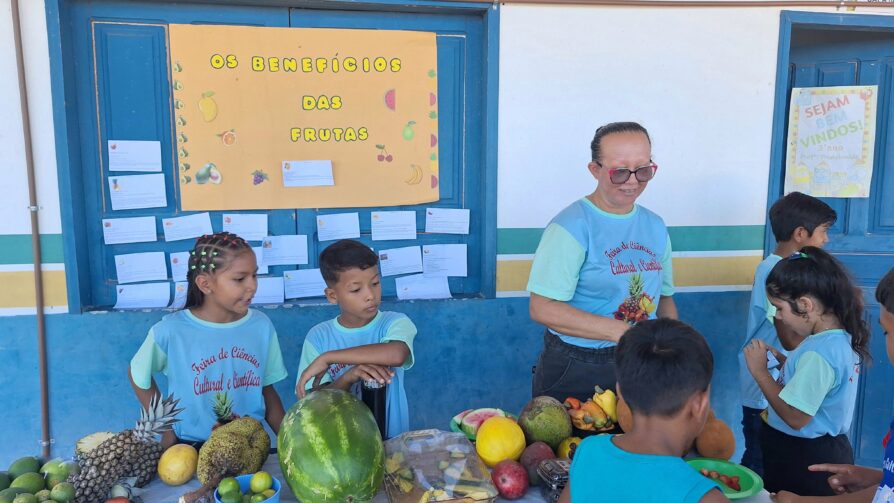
x,y
756,358
370,360
714,496
144,396
667,308
849,478
864,496
273,407
565,497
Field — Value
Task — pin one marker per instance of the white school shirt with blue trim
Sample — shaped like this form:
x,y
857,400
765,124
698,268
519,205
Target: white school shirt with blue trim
x,y
202,359
820,378
588,257
760,326
387,326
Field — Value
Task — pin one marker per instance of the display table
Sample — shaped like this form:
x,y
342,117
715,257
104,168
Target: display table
x,y
159,492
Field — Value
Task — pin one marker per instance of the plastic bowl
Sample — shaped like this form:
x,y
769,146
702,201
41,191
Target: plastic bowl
x,y
244,486
750,482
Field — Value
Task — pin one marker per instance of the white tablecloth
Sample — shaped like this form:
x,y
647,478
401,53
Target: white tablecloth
x,y
159,492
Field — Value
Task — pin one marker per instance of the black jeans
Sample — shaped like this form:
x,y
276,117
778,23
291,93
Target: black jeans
x,y
786,459
565,370
751,429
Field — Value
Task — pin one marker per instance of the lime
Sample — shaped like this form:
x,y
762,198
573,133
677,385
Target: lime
x,y
269,493
228,486
258,498
235,497
62,492
260,482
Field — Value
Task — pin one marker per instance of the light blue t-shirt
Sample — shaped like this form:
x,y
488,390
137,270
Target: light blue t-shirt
x,y
617,266
760,326
385,327
202,359
601,471
820,378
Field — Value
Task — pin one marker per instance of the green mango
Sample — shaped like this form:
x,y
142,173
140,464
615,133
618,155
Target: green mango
x,y
28,464
9,494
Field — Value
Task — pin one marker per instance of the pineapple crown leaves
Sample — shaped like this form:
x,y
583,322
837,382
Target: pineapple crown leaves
x,y
158,418
223,405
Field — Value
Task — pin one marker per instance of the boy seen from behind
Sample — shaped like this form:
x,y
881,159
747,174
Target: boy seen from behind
x,y
361,343
797,220
664,370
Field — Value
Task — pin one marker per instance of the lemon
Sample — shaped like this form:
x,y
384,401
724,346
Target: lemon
x,y
565,446
260,482
177,465
229,486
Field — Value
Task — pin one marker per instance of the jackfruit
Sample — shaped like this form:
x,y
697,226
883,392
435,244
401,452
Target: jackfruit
x,y
236,448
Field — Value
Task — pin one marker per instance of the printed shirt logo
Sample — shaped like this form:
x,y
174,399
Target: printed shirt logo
x,y
638,305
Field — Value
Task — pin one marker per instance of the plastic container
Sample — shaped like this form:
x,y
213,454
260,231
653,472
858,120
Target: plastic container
x,y
434,465
750,483
244,481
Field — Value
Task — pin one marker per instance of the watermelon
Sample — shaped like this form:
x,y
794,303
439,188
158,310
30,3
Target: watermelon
x,y
472,421
330,449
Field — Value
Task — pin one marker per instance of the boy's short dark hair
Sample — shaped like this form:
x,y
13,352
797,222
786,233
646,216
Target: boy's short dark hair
x,y
884,292
799,210
660,364
343,255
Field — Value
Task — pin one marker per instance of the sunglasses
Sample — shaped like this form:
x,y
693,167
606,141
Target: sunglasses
x,y
621,175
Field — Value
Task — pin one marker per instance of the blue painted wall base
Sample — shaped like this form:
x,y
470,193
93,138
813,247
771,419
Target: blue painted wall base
x,y
469,353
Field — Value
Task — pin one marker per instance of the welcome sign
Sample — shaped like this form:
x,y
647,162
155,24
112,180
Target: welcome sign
x,y
304,118
831,141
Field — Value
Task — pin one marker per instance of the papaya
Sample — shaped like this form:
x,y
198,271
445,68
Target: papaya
x,y
716,440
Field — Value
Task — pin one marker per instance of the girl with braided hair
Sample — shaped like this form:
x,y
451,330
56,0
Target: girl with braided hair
x,y
221,358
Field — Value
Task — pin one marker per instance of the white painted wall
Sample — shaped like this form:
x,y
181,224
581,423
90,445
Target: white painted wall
x,y
700,80
14,214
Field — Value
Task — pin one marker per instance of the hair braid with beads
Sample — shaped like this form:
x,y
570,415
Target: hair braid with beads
x,y
211,254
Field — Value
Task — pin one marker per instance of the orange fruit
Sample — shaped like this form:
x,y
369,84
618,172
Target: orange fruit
x,y
498,439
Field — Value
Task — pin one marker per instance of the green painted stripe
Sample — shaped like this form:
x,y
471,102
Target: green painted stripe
x,y
684,238
16,249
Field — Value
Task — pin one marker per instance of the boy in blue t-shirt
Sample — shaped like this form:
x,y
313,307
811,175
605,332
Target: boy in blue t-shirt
x,y
362,343
859,484
664,370
797,220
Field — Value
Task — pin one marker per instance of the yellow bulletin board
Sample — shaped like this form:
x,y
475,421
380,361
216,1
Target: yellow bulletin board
x,y
251,102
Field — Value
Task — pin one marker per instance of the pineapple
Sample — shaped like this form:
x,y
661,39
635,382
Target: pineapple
x,y
633,309
130,453
91,441
223,408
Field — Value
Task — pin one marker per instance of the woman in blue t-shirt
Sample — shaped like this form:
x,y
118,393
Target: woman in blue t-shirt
x,y
603,264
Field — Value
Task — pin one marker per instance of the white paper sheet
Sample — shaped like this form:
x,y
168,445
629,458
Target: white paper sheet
x,y
147,266
180,289
134,155
270,291
444,260
259,256
400,260
117,231
146,295
179,265
393,225
419,286
303,283
447,221
307,173
285,250
188,227
338,226
137,191
250,227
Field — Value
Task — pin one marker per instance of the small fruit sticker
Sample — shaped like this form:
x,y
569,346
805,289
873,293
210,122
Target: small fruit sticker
x,y
228,137
408,132
432,99
434,140
383,155
177,85
184,166
432,73
182,153
181,138
178,104
258,177
208,173
177,67
208,106
416,176
390,100
181,120
115,185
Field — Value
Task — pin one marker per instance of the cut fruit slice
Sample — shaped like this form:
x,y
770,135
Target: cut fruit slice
x,y
473,420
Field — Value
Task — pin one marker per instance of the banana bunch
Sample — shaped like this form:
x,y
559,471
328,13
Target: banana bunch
x,y
599,413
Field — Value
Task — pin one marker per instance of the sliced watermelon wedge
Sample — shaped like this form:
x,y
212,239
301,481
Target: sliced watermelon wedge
x,y
459,417
471,421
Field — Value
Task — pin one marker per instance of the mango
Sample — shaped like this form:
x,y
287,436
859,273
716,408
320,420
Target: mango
x,y
25,498
9,494
28,464
30,482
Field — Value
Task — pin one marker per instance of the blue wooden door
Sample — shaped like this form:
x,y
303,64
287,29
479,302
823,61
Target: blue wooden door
x,y
863,237
121,68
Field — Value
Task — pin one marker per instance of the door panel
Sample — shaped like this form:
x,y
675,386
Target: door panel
x,y
863,237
